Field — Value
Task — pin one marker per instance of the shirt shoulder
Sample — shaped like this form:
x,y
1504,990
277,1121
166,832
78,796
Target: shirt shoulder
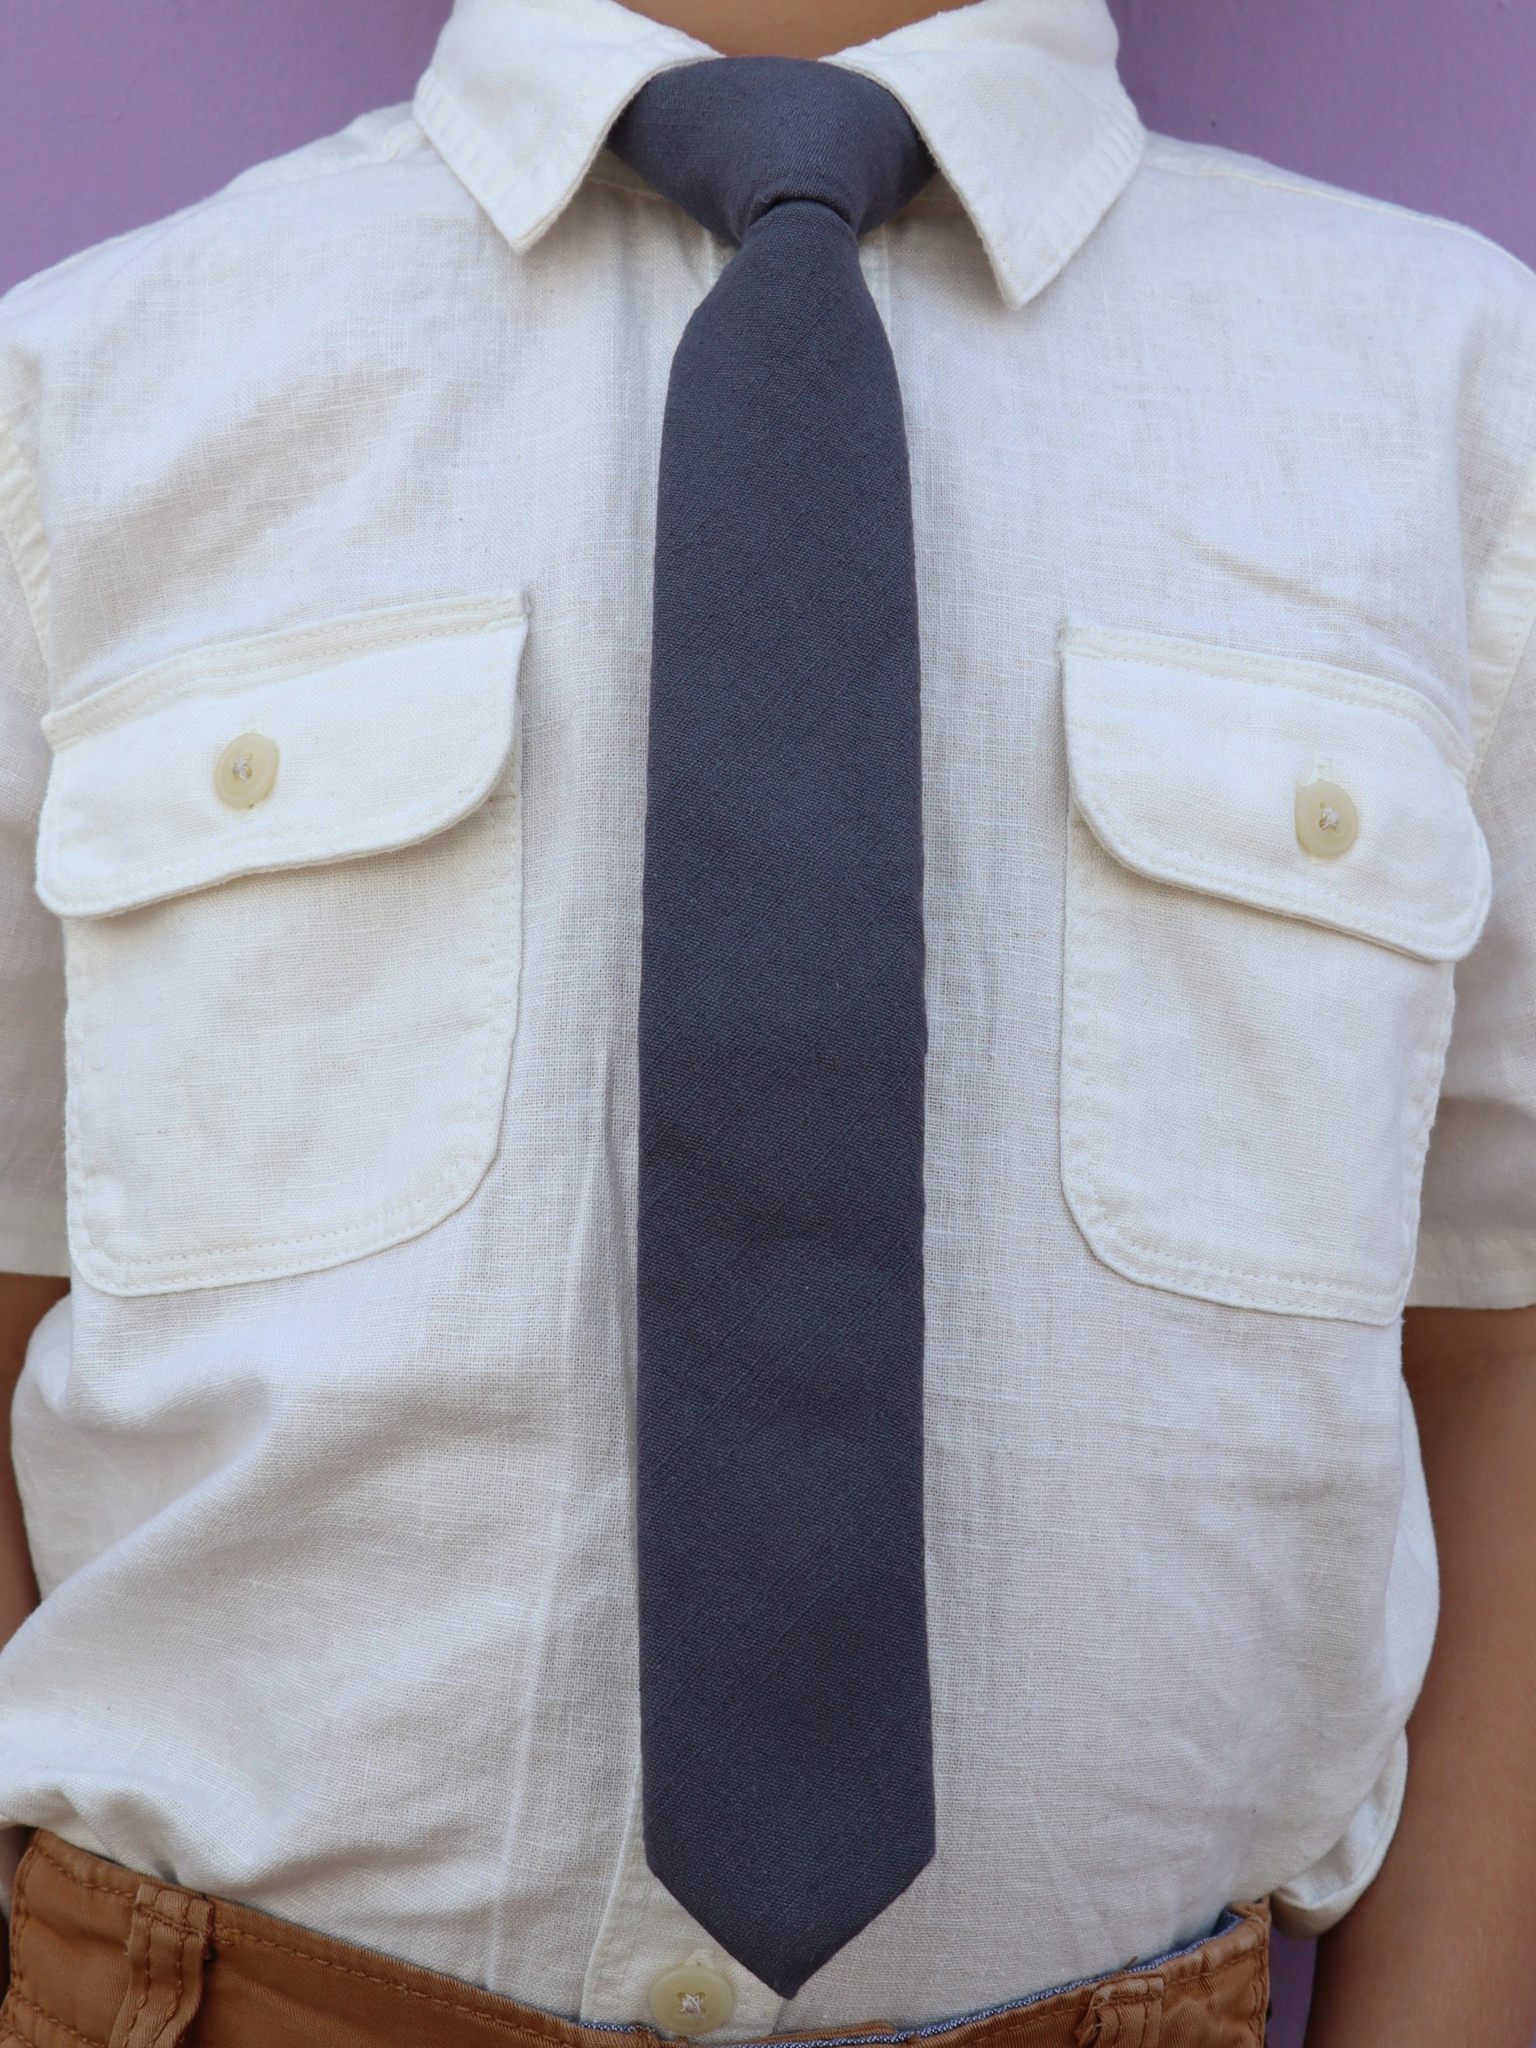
x,y
278,330
1232,188
1352,303
378,166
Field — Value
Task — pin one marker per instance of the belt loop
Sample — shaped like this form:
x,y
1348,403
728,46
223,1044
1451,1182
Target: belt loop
x,y
167,1945
1125,2013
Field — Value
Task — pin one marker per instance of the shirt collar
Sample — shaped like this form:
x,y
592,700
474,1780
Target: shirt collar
x,y
1018,100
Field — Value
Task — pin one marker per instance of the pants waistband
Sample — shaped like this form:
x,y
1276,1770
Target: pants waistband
x,y
103,1957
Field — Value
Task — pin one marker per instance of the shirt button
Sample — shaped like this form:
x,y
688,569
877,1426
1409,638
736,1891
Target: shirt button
x,y
246,770
1326,819
691,1999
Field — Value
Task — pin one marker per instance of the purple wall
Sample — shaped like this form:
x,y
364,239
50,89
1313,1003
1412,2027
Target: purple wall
x,y
115,111
1427,102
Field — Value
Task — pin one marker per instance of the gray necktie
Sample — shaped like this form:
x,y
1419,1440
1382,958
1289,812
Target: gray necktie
x,y
785,1724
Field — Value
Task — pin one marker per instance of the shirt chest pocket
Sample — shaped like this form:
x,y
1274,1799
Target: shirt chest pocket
x,y
289,871
1273,867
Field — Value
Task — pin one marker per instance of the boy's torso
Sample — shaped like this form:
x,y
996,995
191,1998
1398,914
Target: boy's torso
x,y
328,1460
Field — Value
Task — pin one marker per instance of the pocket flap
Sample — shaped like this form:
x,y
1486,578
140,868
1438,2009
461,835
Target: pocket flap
x,y
1186,761
389,727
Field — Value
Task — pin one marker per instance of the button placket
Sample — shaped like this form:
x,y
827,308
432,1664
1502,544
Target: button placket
x,y
693,1998
646,1937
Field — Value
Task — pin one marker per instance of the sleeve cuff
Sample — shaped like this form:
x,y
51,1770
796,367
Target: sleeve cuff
x,y
1459,1271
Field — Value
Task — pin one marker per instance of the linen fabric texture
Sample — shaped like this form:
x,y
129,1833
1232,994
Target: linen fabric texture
x,y
781,1042
1222,482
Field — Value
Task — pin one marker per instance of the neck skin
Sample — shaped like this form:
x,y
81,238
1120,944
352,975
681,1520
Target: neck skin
x,y
788,28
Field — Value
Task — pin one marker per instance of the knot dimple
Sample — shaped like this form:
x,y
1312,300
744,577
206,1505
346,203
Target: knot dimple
x,y
728,138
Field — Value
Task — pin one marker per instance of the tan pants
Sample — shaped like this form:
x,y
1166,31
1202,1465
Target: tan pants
x,y
104,1958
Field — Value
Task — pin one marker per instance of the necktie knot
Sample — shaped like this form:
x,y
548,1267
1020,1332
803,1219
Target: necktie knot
x,y
728,139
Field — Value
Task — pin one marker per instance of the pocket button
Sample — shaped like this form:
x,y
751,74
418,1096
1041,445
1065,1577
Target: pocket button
x,y
1326,819
246,770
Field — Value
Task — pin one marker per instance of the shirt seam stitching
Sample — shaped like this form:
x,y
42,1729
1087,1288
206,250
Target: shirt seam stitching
x,y
456,1173
270,176
1444,1242
1081,1114
1025,264
492,176
1326,680
1502,623
1277,181
250,184
26,537
279,656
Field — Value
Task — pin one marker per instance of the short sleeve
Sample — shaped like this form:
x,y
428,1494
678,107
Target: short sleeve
x,y
1477,1236
32,1233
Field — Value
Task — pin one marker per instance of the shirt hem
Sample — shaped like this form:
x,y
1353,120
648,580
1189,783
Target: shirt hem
x,y
1301,1910
1474,1272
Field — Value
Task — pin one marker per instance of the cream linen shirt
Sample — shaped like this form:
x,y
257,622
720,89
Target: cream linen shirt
x,y
1225,490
